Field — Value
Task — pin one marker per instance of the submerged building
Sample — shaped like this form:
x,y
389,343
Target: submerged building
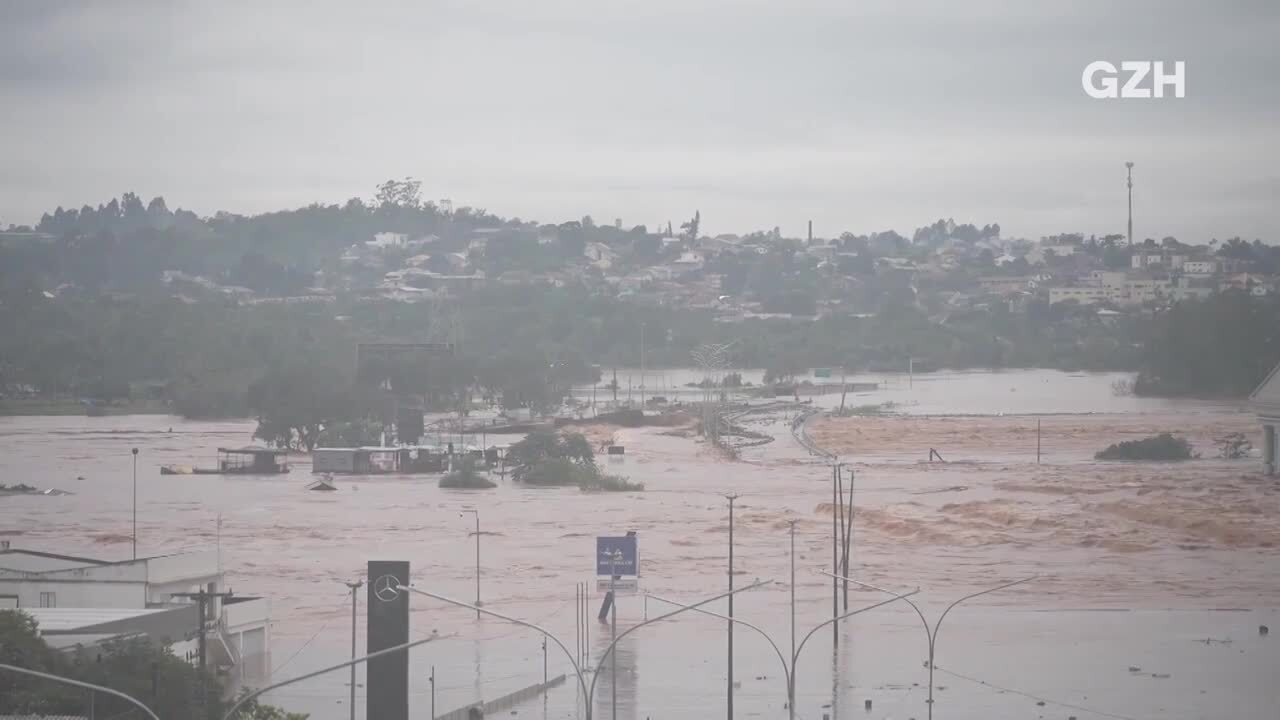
x,y
1266,401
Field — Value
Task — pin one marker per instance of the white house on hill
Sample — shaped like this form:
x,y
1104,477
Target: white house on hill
x,y
1266,400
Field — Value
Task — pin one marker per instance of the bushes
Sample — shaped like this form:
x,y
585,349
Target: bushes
x,y
612,483
1159,447
562,472
556,472
464,476
549,460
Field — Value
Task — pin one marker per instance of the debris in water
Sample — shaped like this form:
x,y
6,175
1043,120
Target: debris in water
x,y
1263,630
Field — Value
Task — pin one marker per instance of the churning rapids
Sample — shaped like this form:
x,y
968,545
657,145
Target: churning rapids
x,y
1166,567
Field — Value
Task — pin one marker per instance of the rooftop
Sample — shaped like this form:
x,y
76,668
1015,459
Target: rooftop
x,y
34,561
61,620
253,450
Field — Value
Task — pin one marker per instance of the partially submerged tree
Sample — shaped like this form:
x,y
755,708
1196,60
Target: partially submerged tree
x,y
465,476
1158,447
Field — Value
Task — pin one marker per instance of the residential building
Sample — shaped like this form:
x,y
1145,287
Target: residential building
x,y
1108,278
1003,284
388,240
1266,402
1140,291
1189,287
1085,294
1199,267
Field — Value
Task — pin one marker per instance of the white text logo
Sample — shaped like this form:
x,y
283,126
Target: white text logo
x,y
1101,80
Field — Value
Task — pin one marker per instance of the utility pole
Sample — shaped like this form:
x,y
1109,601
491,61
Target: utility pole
x,y
1129,168
433,692
477,514
641,367
354,586
835,561
729,689
791,679
613,630
203,597
135,503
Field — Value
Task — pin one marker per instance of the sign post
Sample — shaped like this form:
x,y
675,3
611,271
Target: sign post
x,y
617,563
387,677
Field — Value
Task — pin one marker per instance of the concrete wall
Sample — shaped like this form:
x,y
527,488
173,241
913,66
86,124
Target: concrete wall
x,y
186,566
166,626
240,616
76,592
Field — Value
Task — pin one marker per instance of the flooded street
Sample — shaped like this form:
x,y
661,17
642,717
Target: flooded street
x,y
1169,568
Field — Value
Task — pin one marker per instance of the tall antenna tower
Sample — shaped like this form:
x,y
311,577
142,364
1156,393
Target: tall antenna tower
x,y
1129,166
445,323
713,358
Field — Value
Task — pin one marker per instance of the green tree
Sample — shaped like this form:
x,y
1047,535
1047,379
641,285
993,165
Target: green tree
x,y
134,666
295,404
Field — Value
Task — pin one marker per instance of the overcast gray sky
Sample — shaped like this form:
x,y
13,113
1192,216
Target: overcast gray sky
x,y
860,115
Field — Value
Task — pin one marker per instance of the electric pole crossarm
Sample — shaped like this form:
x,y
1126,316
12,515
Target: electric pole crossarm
x,y
77,683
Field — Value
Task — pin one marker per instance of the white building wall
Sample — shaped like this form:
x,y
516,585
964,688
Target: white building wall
x,y
76,593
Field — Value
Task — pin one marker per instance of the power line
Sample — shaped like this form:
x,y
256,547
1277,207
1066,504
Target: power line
x,y
1044,700
297,652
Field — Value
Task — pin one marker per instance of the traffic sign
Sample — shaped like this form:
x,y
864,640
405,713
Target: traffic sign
x,y
617,556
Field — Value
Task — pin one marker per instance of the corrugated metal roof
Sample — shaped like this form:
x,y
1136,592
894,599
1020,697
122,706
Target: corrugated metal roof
x,y
66,619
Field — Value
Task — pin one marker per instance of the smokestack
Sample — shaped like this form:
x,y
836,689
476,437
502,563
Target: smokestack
x,y
1129,168
810,232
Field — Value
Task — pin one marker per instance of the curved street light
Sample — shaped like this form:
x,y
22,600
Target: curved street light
x,y
932,633
786,670
77,683
587,691
349,663
791,675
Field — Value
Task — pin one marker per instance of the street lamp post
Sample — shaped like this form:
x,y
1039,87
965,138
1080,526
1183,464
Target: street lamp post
x,y
729,688
789,674
135,503
587,691
477,514
354,586
76,683
613,631
931,634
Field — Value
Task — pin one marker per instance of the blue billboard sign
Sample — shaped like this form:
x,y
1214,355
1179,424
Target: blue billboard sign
x,y
617,556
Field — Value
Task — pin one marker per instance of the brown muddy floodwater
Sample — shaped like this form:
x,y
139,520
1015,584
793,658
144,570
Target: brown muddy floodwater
x,y
1170,568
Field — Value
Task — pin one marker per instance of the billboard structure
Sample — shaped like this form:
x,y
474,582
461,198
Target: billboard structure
x,y
387,680
380,365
